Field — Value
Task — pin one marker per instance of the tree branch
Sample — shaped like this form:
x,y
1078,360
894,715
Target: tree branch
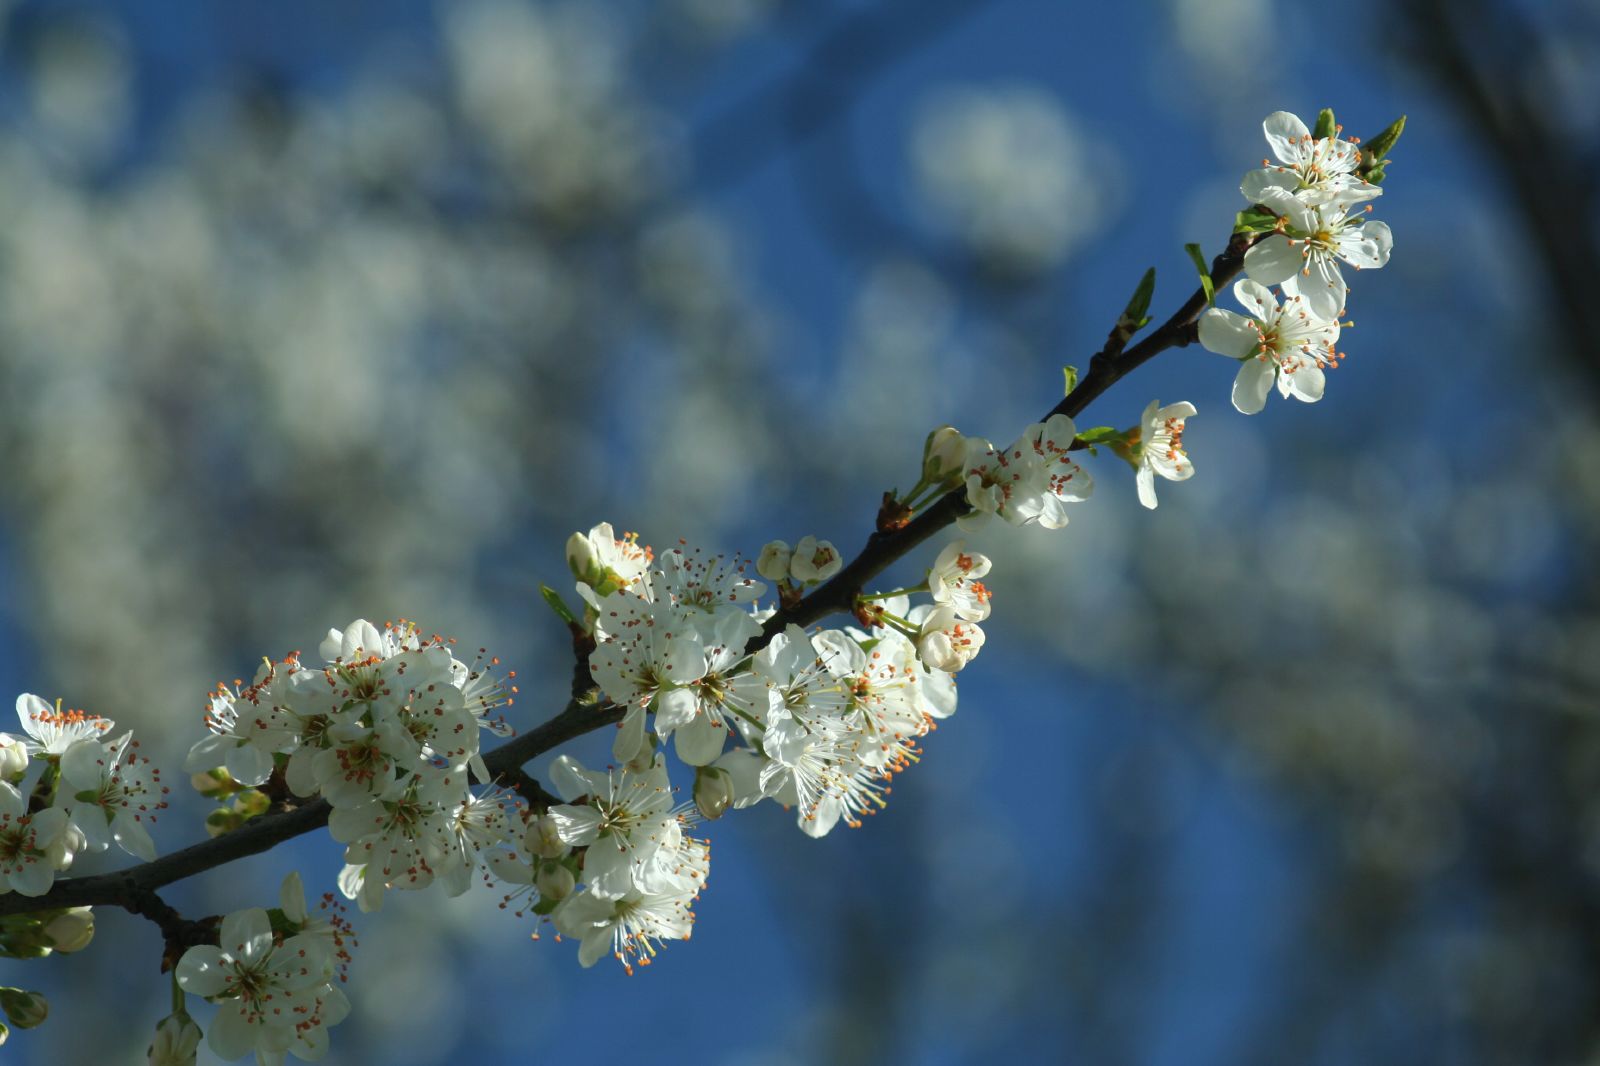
x,y
133,889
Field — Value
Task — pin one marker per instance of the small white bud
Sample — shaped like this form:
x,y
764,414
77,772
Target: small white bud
x,y
773,563
543,838
943,455
71,930
713,791
25,1009
177,1039
554,881
581,559
13,758
814,560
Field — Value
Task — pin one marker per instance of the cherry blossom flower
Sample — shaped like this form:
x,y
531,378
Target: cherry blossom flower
x,y
1160,448
1315,170
947,642
626,818
273,997
1305,259
111,788
52,730
30,844
1285,344
954,579
814,560
1030,481
630,926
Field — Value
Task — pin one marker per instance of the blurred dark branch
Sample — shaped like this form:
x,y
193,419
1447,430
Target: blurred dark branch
x,y
1479,56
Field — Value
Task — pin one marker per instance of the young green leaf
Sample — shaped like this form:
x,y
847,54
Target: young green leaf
x,y
1199,260
1326,127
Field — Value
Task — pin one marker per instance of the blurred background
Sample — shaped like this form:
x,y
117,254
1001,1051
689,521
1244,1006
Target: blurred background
x,y
318,310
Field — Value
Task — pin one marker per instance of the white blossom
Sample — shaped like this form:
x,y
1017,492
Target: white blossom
x,y
30,844
814,560
947,642
1314,170
52,730
112,789
954,579
1285,344
1305,258
1160,448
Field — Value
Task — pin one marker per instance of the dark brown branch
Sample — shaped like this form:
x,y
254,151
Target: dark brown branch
x,y
133,889
1106,368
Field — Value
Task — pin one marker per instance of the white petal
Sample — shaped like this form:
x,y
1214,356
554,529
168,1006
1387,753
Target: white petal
x,y
1256,298
630,736
1306,383
1285,133
132,837
1146,480
1251,385
202,972
1227,333
1273,260
1366,246
1260,184
701,741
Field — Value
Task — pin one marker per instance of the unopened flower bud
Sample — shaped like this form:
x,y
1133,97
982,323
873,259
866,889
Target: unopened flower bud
x,y
71,930
581,559
814,560
943,455
554,881
543,839
713,791
177,1039
13,759
773,563
25,1009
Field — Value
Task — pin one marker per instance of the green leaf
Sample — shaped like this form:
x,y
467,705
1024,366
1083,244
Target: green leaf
x,y
1137,311
1098,434
1254,220
1071,375
1374,150
1199,260
553,600
1326,127
545,906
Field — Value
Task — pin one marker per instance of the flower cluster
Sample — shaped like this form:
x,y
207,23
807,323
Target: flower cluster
x,y
822,721
1319,198
274,976
388,732
87,792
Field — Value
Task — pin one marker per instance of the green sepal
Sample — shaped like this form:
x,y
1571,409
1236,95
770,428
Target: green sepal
x,y
1326,126
1376,174
1373,151
545,906
1254,220
1199,259
251,803
553,600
